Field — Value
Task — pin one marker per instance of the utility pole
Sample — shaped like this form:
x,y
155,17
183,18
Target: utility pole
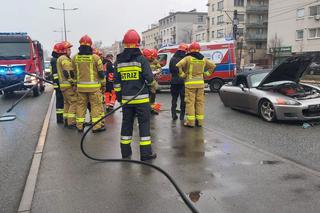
x,y
235,23
63,9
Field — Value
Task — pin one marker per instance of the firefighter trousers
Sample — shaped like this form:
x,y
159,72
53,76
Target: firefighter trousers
x,y
142,112
194,98
110,98
176,91
70,105
59,106
94,98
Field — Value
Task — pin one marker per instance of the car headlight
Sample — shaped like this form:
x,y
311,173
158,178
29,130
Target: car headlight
x,y
281,101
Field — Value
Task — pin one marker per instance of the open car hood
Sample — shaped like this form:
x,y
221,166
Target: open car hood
x,y
291,69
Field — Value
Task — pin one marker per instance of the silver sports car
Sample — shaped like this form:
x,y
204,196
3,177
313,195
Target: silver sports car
x,y
276,94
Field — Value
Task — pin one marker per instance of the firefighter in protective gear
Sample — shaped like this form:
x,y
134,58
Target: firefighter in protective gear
x,y
177,83
103,84
151,56
66,78
54,72
110,94
193,68
89,73
131,73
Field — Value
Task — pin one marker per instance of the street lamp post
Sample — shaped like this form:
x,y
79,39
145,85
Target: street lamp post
x,y
63,9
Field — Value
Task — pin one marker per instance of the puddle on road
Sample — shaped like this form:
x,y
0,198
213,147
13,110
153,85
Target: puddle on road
x,y
195,196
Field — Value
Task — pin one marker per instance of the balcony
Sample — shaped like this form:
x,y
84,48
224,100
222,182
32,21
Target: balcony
x,y
258,24
257,9
256,37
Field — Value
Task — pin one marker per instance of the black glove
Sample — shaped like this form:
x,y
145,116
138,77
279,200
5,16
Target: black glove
x,y
101,75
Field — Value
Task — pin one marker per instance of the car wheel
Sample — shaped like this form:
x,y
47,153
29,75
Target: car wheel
x,y
36,91
267,111
215,85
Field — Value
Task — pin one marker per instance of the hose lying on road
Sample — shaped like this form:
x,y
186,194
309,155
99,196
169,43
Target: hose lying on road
x,y
183,196
20,99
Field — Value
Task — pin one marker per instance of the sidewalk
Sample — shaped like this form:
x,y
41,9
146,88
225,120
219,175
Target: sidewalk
x,y
218,174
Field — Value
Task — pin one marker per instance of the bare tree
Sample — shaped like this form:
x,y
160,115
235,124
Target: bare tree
x,y
274,47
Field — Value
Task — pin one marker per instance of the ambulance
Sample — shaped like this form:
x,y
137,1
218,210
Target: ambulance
x,y
221,52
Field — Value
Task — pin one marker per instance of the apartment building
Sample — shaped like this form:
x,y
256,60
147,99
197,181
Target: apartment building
x,y
294,28
252,23
179,27
150,37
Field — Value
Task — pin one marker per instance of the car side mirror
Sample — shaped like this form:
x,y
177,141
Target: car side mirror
x,y
242,87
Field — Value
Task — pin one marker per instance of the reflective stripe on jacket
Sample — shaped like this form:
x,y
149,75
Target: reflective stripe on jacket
x,y
87,68
193,70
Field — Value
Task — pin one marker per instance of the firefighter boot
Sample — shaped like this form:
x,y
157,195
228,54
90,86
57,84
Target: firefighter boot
x,y
60,119
174,115
146,153
126,150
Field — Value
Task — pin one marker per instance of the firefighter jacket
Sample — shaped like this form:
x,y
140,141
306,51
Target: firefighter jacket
x,y
65,71
174,70
109,75
193,68
89,72
132,71
54,72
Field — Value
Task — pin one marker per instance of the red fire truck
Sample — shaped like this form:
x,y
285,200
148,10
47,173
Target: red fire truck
x,y
20,54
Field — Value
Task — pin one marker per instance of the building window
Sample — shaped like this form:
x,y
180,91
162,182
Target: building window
x,y
259,31
220,19
240,31
212,21
220,5
212,7
212,34
241,17
259,45
300,13
200,19
315,10
219,33
299,35
238,3
314,33
174,18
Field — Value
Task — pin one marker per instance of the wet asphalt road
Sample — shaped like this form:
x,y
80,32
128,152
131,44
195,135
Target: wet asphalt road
x,y
17,143
286,139
217,173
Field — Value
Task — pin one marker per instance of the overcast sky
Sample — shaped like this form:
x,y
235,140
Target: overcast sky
x,y
105,20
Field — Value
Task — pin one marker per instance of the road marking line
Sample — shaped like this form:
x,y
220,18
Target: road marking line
x,y
29,189
285,160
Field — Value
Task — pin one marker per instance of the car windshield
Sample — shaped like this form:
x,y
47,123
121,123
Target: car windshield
x,y
257,78
14,51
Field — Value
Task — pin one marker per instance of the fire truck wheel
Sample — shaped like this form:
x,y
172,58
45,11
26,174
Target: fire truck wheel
x,y
36,91
215,85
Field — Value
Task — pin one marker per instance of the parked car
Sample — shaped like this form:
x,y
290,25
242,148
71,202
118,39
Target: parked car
x,y
250,67
275,94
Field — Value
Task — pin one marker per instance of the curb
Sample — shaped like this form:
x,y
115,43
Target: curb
x,y
29,189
